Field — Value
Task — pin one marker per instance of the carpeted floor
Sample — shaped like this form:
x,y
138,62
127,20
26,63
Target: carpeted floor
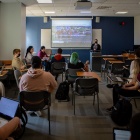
x,y
85,125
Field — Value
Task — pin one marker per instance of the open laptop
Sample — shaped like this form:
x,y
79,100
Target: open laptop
x,y
8,108
121,134
115,78
2,69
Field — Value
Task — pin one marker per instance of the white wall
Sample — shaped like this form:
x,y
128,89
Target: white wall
x,y
13,27
137,30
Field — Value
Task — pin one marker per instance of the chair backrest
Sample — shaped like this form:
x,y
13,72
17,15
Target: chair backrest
x,y
34,101
25,62
117,68
128,62
58,67
86,86
2,89
71,74
17,75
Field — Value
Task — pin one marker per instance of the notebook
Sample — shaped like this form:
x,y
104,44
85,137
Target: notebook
x,y
8,108
121,134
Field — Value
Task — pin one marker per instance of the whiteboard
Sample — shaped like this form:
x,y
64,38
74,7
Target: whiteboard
x,y
97,34
46,38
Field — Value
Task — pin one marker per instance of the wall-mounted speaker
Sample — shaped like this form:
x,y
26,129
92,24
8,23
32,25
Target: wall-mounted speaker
x,y
97,20
45,19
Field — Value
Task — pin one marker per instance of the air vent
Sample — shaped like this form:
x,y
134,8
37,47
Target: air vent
x,y
104,7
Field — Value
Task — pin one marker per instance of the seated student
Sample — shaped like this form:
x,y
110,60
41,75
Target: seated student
x,y
29,54
135,127
58,57
137,56
16,62
129,89
75,63
7,129
45,58
36,79
86,66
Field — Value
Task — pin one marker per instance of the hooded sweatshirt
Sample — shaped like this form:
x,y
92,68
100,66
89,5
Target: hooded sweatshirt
x,y
37,80
58,58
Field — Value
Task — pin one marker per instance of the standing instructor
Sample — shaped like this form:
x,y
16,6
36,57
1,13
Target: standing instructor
x,y
95,47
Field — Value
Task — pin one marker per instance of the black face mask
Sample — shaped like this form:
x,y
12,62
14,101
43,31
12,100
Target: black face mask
x,y
18,55
95,41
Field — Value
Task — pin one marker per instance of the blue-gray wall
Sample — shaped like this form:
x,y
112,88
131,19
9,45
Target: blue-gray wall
x,y
115,38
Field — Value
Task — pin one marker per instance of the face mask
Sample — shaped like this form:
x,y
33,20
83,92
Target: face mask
x,y
18,55
95,41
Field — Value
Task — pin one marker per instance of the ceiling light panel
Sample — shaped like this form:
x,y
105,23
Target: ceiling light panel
x,y
44,1
121,12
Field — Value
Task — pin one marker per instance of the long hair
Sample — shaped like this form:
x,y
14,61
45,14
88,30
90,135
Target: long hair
x,y
136,68
28,50
74,58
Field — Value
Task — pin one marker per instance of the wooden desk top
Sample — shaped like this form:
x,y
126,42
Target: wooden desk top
x,y
110,59
66,55
8,67
109,56
89,74
116,62
3,73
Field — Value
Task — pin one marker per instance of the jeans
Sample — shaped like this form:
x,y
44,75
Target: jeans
x,y
117,91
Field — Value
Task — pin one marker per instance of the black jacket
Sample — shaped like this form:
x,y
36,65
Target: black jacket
x,y
98,47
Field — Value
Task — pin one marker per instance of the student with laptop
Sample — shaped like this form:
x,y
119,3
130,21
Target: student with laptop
x,y
45,58
130,89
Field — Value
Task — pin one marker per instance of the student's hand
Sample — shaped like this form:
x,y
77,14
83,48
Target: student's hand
x,y
22,67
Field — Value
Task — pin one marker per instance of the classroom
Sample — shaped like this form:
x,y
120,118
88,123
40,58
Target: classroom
x,y
102,34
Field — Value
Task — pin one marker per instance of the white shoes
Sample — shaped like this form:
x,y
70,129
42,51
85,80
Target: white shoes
x,y
38,113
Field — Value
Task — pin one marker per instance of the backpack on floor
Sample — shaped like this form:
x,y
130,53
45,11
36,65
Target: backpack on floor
x,y
62,92
122,112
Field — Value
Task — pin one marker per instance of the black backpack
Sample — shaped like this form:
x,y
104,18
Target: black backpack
x,y
122,112
62,92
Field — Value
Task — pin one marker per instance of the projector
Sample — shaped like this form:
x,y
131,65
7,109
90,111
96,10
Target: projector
x,y
83,4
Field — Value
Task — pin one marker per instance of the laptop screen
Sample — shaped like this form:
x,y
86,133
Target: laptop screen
x,y
121,134
8,108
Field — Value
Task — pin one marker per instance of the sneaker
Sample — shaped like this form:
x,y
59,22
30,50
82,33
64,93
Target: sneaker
x,y
38,113
110,109
110,85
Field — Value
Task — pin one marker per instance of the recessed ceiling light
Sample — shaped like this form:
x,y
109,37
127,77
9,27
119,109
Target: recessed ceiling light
x,y
121,12
44,1
50,12
85,12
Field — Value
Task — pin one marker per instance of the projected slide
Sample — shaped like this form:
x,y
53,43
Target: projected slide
x,y
71,33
